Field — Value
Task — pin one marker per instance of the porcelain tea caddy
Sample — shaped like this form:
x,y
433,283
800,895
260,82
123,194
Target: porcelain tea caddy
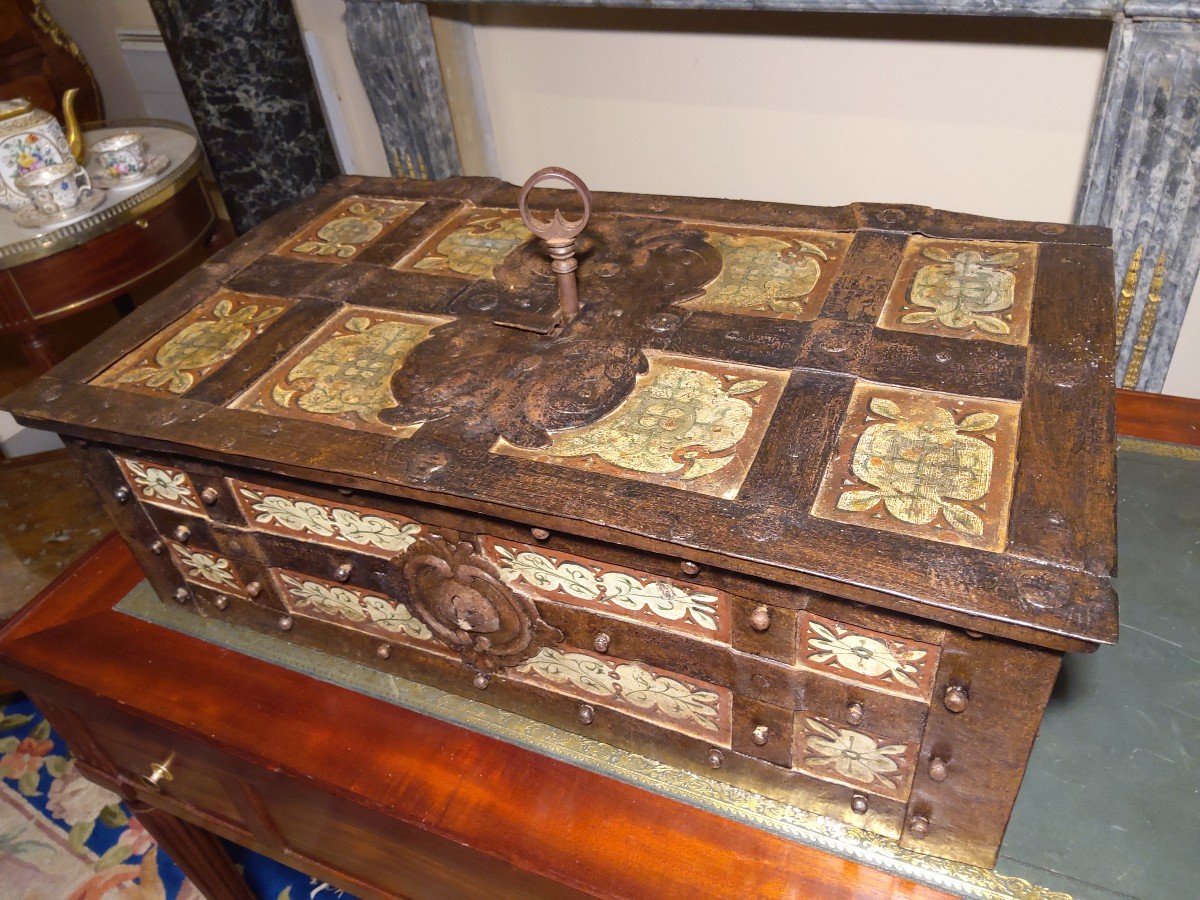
x,y
31,138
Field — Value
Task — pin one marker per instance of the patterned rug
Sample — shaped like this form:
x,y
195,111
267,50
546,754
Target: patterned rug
x,y
64,838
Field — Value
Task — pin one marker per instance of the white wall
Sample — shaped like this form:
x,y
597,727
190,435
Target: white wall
x,y
807,109
1183,376
93,25
352,124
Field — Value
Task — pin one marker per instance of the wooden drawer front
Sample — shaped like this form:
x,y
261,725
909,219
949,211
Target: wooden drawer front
x,y
396,858
352,607
161,485
167,233
650,600
880,662
671,701
194,778
311,519
208,569
854,706
856,758
764,630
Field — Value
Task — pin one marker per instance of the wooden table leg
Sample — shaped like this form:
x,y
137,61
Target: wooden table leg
x,y
38,350
199,854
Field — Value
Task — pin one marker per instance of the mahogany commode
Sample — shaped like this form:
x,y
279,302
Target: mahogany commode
x,y
808,500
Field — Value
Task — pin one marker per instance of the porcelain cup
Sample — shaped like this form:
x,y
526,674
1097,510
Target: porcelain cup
x,y
121,156
55,189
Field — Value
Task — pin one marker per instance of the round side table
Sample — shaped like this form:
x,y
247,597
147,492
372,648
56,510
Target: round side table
x,y
135,235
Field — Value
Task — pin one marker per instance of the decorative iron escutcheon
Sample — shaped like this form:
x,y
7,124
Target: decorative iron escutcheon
x,y
461,598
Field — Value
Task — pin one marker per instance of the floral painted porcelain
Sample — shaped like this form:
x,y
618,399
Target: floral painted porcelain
x,y
30,139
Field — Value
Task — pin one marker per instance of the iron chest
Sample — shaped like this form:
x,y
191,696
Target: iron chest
x,y
808,500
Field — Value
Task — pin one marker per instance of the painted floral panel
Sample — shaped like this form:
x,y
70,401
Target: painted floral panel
x,y
161,485
778,274
622,593
963,289
922,463
206,569
342,374
323,522
181,356
827,751
688,423
342,232
882,661
352,607
471,245
644,692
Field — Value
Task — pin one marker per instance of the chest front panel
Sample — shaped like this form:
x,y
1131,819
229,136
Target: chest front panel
x,y
633,651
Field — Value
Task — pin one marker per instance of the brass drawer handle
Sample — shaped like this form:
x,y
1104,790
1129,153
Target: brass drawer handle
x,y
160,772
141,223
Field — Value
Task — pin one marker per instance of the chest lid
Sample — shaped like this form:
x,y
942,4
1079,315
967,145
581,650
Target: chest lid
x,y
900,406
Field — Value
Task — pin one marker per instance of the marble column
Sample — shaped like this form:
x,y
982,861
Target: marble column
x,y
1141,181
246,79
393,49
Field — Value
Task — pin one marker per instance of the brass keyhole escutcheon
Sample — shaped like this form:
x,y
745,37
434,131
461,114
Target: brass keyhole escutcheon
x,y
160,773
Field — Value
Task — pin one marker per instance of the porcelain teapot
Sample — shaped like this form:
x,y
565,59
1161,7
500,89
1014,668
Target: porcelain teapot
x,y
31,138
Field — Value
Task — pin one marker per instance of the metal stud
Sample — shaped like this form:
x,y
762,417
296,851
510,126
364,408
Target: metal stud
x,y
858,803
687,567
182,595
342,572
586,714
540,534
254,589
938,770
122,494
760,734
157,547
383,651
601,643
209,496
182,534
222,602
715,758
760,619
481,680
285,623
956,698
854,712
918,826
